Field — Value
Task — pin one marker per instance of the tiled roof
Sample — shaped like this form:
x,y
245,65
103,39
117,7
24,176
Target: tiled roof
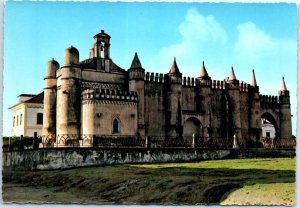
x,y
36,99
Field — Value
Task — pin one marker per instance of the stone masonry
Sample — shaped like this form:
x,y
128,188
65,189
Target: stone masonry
x,y
97,97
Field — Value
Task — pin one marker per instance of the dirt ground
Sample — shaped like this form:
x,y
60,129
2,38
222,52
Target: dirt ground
x,y
163,185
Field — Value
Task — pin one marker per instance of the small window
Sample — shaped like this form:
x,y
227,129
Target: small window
x,y
21,119
39,119
17,120
268,134
14,120
116,126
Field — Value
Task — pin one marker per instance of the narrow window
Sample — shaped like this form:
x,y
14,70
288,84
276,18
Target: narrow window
x,y
14,120
17,120
116,126
39,119
21,119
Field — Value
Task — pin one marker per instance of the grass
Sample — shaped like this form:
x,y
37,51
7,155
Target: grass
x,y
243,181
262,164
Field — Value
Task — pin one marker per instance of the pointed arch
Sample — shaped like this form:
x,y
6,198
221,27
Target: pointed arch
x,y
116,125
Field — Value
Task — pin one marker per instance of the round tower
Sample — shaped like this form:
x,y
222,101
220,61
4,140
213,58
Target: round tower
x,y
174,102
285,112
255,115
69,95
203,100
49,117
233,92
137,84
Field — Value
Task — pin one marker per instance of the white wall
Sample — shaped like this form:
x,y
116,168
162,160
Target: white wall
x,y
18,127
268,128
29,119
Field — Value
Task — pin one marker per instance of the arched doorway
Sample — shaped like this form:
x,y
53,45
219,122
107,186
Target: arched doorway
x,y
269,126
192,126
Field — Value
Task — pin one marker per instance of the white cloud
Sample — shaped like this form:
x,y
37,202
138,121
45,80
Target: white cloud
x,y
200,36
199,28
255,45
252,40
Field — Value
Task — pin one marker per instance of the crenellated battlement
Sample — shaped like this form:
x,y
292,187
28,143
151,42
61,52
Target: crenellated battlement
x,y
244,87
136,73
217,84
109,94
189,82
155,77
269,99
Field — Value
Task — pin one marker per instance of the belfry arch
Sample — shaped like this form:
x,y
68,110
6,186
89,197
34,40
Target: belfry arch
x,y
192,126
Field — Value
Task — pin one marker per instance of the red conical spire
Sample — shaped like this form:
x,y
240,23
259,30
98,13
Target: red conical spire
x,y
283,86
232,75
174,69
136,62
203,72
254,84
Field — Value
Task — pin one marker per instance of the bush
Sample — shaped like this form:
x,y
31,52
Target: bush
x,y
18,143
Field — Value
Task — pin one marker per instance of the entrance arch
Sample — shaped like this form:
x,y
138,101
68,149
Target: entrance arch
x,y
192,126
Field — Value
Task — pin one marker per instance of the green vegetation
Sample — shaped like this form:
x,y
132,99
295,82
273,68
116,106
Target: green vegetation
x,y
12,140
242,181
15,142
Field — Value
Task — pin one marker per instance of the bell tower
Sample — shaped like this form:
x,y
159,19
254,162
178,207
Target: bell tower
x,y
101,51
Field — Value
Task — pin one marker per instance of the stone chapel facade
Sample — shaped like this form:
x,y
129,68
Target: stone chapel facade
x,y
97,97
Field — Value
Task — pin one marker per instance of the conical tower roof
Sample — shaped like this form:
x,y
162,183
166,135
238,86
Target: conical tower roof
x,y
253,83
203,72
232,75
283,86
136,62
174,69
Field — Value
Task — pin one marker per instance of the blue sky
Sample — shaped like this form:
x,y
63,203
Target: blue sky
x,y
246,36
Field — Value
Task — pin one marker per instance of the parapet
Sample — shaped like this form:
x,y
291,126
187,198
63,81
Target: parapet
x,y
155,77
189,82
244,87
219,85
268,99
109,94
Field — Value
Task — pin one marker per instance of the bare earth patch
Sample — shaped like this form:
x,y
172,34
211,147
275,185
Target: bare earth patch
x,y
227,182
263,194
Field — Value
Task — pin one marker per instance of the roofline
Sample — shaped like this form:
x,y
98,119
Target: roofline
x,y
10,108
27,95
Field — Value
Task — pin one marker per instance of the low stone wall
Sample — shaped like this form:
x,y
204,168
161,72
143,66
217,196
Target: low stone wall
x,y
49,159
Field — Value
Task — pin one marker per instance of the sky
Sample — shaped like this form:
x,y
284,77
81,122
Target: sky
x,y
261,36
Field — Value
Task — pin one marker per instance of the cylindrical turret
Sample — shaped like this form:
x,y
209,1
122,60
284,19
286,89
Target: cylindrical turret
x,y
285,112
174,102
137,84
255,115
69,95
71,56
233,92
49,118
203,100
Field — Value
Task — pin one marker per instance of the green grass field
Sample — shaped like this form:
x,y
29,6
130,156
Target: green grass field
x,y
268,181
